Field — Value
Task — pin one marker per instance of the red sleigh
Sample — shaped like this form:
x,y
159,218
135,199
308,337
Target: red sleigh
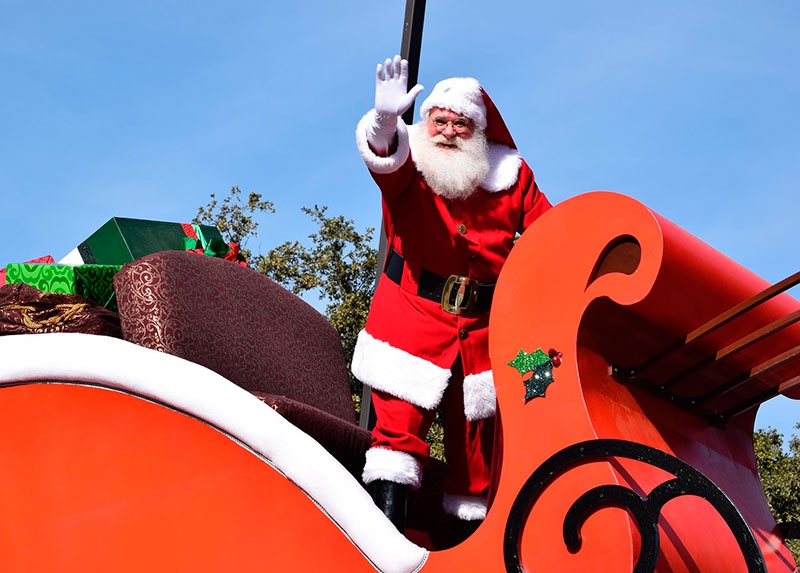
x,y
218,435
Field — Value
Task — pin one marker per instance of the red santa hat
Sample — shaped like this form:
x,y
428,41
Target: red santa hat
x,y
466,97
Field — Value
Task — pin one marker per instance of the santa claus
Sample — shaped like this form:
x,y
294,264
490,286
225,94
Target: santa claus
x,y
455,193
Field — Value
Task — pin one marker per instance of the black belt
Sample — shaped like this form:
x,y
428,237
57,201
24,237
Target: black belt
x,y
457,294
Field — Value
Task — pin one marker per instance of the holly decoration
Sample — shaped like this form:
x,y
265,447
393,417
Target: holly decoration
x,y
195,242
540,365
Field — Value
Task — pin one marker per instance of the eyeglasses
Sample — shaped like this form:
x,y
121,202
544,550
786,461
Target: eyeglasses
x,y
460,124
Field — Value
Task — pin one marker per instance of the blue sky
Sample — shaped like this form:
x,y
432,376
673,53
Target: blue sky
x,y
143,109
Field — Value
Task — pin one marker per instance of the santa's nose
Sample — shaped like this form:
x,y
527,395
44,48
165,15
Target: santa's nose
x,y
449,131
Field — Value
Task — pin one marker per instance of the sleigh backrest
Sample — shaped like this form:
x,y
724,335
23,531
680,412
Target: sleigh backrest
x,y
236,322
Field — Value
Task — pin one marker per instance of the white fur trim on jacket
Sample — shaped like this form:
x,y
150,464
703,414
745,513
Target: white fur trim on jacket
x,y
480,400
465,507
504,164
383,367
391,465
376,163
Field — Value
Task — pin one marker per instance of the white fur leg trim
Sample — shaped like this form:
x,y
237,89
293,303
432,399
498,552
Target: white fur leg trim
x,y
395,371
376,163
480,400
465,507
391,465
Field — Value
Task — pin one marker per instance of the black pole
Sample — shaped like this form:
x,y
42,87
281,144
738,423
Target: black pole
x,y
410,49
411,46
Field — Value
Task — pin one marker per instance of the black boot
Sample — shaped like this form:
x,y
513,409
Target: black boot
x,y
462,529
391,498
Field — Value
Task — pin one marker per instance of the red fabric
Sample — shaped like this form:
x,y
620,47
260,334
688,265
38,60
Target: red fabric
x,y
189,231
402,427
424,228
233,255
471,237
496,129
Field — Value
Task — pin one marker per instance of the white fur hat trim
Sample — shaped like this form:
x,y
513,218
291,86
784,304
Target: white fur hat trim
x,y
461,95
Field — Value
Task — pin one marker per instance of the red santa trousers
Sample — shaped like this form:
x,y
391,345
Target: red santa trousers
x,y
402,427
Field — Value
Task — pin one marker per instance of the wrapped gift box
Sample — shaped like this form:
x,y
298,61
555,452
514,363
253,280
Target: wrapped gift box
x,y
94,282
44,259
121,240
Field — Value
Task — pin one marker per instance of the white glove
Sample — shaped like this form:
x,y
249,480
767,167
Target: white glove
x,y
392,99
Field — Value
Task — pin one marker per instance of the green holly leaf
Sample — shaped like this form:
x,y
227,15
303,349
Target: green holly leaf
x,y
537,383
541,367
525,362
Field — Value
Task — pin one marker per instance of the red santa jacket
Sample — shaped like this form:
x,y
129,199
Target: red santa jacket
x,y
410,343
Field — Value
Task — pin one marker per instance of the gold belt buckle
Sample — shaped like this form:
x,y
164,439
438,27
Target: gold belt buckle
x,y
462,287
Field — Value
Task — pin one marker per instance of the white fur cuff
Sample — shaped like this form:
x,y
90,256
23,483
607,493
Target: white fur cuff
x,y
383,367
391,465
376,163
480,400
465,507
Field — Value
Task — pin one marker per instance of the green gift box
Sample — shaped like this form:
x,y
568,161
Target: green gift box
x,y
94,282
121,240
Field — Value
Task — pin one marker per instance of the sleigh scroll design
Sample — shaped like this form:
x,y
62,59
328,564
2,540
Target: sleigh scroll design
x,y
645,510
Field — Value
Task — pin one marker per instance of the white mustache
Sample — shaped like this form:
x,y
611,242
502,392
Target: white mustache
x,y
441,139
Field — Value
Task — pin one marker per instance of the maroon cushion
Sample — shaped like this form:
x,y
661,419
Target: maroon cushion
x,y
236,322
27,310
345,441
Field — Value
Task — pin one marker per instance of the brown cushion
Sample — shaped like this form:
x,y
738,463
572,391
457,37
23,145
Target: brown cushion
x,y
27,310
236,322
345,441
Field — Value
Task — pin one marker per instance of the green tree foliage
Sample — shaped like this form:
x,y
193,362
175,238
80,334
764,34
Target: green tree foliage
x,y
779,471
234,218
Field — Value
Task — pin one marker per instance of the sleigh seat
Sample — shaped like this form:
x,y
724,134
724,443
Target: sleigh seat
x,y
254,332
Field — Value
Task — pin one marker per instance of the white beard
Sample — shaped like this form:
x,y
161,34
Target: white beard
x,y
454,172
